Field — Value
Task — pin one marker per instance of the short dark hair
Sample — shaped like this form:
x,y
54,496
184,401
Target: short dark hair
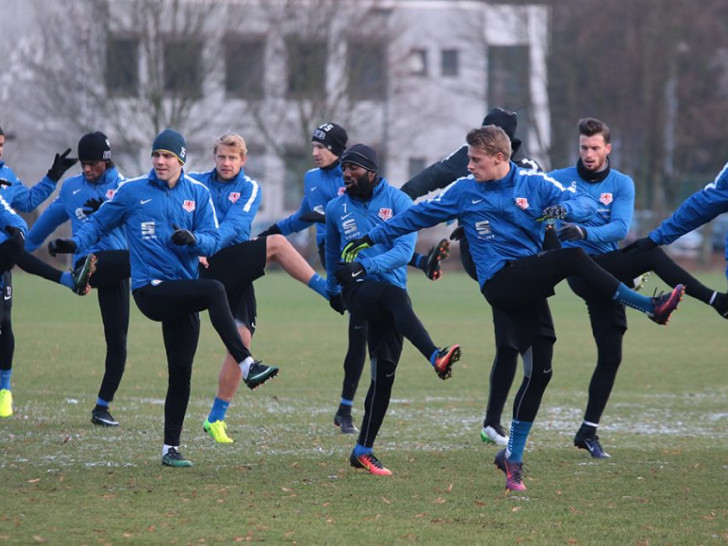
x,y
593,126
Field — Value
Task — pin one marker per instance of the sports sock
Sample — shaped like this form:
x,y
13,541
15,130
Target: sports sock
x,y
101,402
218,410
517,440
245,366
719,301
589,429
433,357
345,407
318,284
67,280
633,299
361,450
5,379
165,448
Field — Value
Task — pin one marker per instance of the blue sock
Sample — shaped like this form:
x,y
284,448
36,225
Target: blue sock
x,y
345,402
218,411
67,280
102,402
318,284
633,299
420,261
517,440
433,357
361,450
5,379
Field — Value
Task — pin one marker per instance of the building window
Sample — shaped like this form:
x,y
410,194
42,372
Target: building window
x,y
416,165
244,67
449,62
367,66
418,62
306,67
122,66
508,83
183,68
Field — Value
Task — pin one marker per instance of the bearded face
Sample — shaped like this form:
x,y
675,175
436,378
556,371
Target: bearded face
x,y
359,182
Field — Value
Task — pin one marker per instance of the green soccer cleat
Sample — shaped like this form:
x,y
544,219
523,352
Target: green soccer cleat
x,y
6,403
218,431
82,274
175,459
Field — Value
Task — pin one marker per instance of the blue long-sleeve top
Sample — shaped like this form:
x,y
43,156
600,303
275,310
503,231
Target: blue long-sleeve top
x,y
319,187
499,216
9,218
348,218
149,209
615,206
19,196
69,205
236,204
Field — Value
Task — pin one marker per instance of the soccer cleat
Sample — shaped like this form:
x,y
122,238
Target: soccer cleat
x,y
513,471
445,359
720,304
218,431
174,458
590,442
82,274
665,304
344,422
436,254
494,434
370,463
258,374
6,403
100,416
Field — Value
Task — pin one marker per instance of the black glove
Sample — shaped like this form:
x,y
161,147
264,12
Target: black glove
x,y
183,236
557,212
313,216
61,246
4,182
354,247
457,234
571,232
337,303
645,243
349,273
61,164
92,205
272,230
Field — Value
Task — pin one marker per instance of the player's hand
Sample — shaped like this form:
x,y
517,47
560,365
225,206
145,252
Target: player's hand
x,y
557,212
61,164
62,246
336,302
349,273
354,247
571,232
272,230
92,205
183,236
203,261
313,216
457,234
645,243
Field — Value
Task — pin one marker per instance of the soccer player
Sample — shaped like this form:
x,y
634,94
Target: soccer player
x,y
107,259
13,230
23,199
373,289
169,220
239,262
499,207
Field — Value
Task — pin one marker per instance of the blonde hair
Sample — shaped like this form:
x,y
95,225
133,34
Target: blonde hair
x,y
232,140
491,139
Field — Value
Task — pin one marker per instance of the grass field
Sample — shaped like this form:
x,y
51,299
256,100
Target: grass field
x,y
287,478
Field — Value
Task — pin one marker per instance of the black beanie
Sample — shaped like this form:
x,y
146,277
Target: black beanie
x,y
171,141
332,136
94,147
362,155
508,121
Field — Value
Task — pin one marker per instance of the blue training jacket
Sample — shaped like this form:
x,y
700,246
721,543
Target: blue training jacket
x,y
348,218
149,210
8,217
21,197
319,187
499,216
69,206
236,204
615,205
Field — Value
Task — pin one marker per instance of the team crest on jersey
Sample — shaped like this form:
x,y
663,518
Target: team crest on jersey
x,y
341,190
385,214
234,196
606,198
188,205
110,193
522,203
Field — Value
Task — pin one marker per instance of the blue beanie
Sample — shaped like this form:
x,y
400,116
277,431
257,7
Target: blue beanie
x,y
173,142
